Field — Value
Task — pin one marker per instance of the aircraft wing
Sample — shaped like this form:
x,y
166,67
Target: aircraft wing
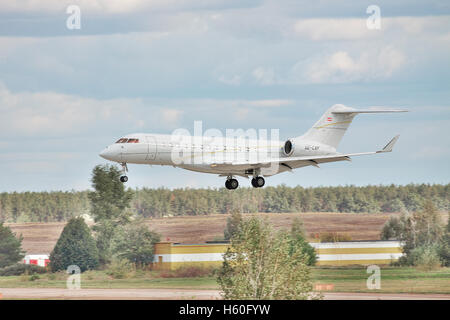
x,y
295,162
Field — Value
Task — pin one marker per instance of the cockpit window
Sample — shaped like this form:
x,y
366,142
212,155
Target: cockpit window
x,y
122,140
133,140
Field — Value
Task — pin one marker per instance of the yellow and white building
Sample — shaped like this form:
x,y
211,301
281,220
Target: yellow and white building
x,y
170,256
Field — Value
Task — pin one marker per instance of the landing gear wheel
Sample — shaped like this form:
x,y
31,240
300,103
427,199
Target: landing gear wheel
x,y
123,179
258,182
231,184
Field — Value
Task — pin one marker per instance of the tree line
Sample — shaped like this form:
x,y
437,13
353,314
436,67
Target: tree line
x,y
61,206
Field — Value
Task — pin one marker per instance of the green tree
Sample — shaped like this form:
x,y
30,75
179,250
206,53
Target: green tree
x,y
135,242
233,224
392,229
421,229
75,246
260,265
444,248
298,242
10,247
109,203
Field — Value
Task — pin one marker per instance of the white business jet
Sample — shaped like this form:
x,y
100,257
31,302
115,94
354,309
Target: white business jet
x,y
243,156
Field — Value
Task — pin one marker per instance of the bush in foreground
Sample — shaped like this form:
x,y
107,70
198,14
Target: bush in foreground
x,y
188,272
425,258
20,268
262,264
120,269
334,237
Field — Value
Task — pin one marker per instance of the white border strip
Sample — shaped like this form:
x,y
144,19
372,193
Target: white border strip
x,y
354,245
347,257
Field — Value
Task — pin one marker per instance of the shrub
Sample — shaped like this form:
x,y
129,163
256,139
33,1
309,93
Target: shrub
x,y
52,276
120,269
392,229
20,268
425,257
188,272
33,277
334,237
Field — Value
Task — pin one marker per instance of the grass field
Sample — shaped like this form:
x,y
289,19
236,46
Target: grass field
x,y
41,237
349,279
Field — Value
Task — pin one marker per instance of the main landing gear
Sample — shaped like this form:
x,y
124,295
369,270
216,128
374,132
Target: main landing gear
x,y
231,183
258,182
123,177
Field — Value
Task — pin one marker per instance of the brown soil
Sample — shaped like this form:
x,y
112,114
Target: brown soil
x,y
41,237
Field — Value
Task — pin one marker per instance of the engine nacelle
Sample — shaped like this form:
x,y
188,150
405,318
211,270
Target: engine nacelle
x,y
298,147
288,147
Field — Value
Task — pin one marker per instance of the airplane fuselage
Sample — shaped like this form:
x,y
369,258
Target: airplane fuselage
x,y
201,154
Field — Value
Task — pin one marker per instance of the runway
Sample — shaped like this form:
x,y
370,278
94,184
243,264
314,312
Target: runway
x,y
182,294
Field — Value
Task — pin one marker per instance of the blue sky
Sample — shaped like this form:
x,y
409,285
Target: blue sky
x,y
155,66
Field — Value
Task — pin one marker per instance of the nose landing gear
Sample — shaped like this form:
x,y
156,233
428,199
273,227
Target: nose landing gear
x,y
123,177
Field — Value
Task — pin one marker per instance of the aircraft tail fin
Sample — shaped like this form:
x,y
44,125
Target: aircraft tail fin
x,y
333,124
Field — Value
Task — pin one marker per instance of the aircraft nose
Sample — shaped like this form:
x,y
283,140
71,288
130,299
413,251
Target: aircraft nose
x,y
105,153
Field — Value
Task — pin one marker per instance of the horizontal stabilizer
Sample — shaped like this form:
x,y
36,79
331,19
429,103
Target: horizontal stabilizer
x,y
371,110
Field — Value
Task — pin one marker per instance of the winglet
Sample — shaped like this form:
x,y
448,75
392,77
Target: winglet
x,y
390,145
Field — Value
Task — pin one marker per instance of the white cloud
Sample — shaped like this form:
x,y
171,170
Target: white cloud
x,y
325,29
115,6
264,76
341,67
171,116
234,80
270,103
242,114
55,114
333,29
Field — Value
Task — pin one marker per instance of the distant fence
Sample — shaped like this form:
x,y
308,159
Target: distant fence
x,y
170,256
